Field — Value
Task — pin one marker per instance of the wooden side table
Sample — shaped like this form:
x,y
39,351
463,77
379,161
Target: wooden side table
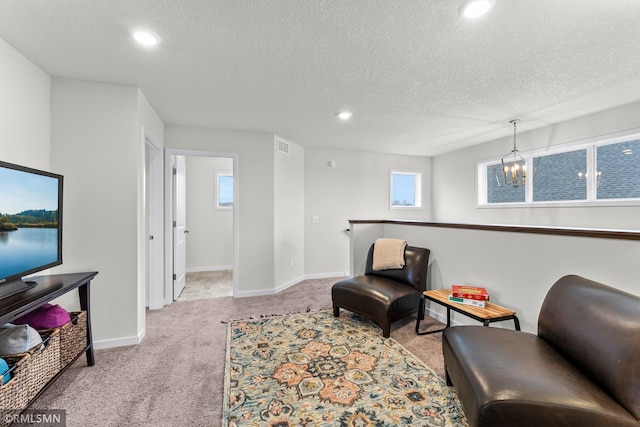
x,y
488,314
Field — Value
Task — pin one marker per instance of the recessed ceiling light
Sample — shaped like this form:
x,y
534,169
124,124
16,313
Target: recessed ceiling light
x,y
345,115
475,8
146,37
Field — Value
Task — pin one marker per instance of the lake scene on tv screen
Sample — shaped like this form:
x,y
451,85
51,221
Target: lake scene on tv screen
x,y
28,221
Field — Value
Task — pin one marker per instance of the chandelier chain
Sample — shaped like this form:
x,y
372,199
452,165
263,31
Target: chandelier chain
x,y
515,122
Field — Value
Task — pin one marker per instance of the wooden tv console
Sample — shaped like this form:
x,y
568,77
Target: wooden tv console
x,y
47,289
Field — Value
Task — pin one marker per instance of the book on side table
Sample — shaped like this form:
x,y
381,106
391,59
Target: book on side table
x,y
470,292
467,301
469,295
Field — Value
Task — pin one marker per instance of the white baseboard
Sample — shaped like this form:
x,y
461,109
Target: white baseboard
x,y
258,293
442,317
209,268
120,342
279,289
290,283
326,275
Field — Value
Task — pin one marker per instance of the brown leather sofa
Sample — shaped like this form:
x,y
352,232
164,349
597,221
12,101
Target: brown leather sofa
x,y
581,369
384,296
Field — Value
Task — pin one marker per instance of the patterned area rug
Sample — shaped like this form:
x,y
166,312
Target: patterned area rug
x,y
312,369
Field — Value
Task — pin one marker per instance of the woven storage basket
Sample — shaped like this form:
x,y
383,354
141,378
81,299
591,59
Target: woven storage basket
x,y
16,393
46,362
32,372
73,337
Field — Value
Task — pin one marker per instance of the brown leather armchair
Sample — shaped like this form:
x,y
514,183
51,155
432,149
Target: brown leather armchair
x,y
384,296
581,369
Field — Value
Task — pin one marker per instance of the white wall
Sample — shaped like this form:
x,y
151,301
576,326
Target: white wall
x,y
149,197
210,238
454,195
516,268
25,109
255,198
149,120
91,134
97,144
356,188
289,253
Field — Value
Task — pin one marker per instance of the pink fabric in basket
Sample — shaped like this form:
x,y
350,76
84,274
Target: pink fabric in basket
x,y
45,317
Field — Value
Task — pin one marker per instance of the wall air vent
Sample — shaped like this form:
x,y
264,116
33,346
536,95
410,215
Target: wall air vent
x,y
282,146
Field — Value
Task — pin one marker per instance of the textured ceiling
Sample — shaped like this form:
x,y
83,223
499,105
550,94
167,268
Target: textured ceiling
x,y
419,79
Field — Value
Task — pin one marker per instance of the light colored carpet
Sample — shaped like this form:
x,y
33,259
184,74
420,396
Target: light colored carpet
x,y
175,377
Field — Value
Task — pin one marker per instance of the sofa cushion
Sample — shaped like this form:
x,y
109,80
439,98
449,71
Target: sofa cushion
x,y
509,378
386,298
596,327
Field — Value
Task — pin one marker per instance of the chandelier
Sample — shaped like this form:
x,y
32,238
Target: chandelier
x,y
514,166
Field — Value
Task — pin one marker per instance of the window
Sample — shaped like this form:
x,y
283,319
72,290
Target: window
x,y
406,189
224,191
598,171
560,176
497,191
618,175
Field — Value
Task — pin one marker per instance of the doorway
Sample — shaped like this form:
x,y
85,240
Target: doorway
x,y
203,227
209,219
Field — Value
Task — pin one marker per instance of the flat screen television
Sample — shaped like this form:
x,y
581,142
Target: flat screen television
x,y
30,225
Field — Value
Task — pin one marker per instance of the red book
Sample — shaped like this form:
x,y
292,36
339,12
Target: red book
x,y
470,292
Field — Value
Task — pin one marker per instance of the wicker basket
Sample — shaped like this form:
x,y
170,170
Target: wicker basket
x,y
16,393
73,337
46,361
31,372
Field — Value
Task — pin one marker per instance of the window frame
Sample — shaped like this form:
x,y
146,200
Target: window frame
x,y
417,180
218,192
590,144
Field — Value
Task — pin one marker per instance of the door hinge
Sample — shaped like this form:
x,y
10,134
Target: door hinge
x,y
174,224
174,277
175,171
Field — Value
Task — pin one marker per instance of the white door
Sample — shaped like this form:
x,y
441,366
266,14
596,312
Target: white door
x,y
155,217
179,230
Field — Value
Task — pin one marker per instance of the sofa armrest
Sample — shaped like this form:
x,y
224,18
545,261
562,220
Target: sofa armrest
x,y
597,328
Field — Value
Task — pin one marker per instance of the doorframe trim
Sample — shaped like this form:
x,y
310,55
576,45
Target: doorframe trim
x,y
168,211
153,217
